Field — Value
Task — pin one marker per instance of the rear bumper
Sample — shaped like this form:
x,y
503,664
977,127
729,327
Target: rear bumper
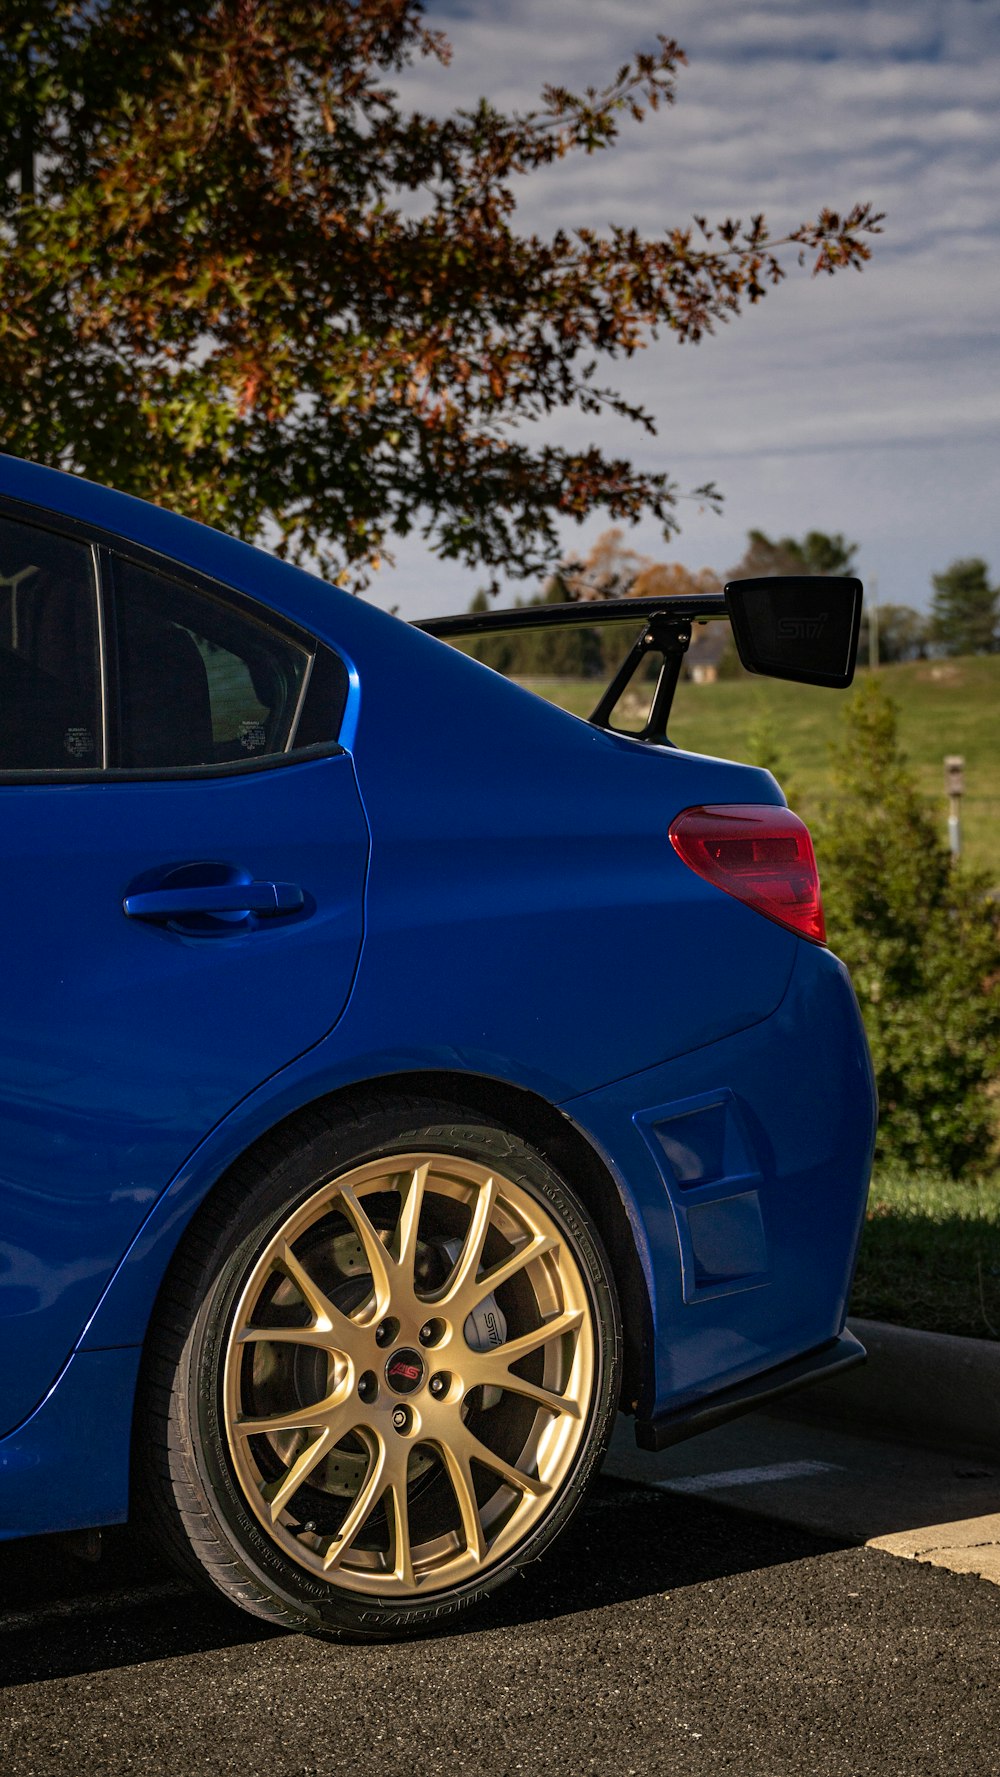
x,y
746,1397
744,1168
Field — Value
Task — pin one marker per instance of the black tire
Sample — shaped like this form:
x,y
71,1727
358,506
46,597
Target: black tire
x,y
205,1485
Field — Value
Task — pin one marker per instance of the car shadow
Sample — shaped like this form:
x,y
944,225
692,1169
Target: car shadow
x,y
60,1618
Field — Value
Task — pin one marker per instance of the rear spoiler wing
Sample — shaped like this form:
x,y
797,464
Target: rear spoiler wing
x,y
799,627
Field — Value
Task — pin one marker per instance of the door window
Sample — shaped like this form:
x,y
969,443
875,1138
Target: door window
x,y
49,663
199,683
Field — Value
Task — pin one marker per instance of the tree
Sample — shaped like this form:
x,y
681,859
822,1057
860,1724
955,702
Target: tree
x,y
921,940
671,579
965,610
610,569
573,653
818,553
903,634
239,277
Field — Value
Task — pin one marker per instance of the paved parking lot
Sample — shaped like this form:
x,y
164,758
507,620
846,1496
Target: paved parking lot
x,y
930,1505
664,1633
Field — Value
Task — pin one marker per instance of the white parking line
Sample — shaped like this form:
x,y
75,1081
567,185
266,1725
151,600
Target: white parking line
x,y
746,1477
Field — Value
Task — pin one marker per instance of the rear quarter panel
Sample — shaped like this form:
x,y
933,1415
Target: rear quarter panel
x,y
526,914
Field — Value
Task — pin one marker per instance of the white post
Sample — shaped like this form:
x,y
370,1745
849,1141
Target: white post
x,y
954,783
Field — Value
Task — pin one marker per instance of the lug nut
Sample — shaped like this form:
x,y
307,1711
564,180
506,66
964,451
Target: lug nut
x,y
400,1418
426,1333
384,1333
438,1384
368,1386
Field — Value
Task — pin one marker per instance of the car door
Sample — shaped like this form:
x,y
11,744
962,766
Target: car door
x,y
183,855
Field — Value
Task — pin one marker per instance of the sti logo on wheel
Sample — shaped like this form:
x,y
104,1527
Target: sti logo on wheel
x,y
405,1371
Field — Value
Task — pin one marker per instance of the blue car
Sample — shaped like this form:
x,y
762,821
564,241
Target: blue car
x,y
400,1077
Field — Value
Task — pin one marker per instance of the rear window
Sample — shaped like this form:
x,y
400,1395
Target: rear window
x,y
199,682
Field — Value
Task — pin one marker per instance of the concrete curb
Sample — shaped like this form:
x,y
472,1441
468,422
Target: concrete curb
x,y
927,1388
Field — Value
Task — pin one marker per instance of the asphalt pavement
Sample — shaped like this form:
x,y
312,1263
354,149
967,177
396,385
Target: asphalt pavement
x,y
665,1632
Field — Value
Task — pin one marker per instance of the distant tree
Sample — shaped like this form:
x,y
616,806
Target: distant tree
x,y
903,634
609,570
500,651
817,553
559,652
763,555
613,569
671,579
823,554
569,653
965,611
239,276
921,939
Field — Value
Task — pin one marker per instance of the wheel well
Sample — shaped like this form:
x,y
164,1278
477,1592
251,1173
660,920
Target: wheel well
x,y
564,1146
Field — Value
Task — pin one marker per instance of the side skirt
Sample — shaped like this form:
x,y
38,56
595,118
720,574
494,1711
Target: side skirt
x,y
745,1397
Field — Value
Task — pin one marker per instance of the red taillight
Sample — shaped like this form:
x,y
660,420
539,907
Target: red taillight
x,y
764,856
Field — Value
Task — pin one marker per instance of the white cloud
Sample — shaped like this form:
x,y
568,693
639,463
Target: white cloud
x,y
867,405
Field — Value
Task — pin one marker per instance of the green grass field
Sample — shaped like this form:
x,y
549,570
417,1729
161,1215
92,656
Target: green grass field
x,y
930,1256
946,706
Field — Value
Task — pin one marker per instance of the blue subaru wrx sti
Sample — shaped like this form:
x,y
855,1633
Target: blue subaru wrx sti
x,y
400,1075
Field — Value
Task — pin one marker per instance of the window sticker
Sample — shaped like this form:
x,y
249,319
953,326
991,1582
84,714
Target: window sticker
x,y
252,736
79,743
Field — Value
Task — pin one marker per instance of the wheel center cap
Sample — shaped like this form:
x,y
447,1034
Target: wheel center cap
x,y
404,1371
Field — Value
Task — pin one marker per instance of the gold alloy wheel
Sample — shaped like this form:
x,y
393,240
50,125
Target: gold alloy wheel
x,y
409,1375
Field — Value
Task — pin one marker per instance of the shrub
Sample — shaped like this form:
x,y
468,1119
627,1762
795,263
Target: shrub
x,y
921,940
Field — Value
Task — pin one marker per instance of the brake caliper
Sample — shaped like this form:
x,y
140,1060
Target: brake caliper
x,y
485,1328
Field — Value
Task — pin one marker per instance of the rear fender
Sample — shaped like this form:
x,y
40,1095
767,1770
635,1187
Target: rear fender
x,y
124,1311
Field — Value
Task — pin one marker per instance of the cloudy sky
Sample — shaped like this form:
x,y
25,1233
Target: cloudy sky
x,y
868,404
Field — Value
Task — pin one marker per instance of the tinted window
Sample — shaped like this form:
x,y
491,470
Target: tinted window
x,y
199,683
49,673
325,700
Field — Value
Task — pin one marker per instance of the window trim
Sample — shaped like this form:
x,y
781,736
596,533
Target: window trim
x,y
102,653
122,774
103,546
300,704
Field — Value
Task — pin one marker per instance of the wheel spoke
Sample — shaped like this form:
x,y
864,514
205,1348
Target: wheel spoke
x,y
402,1553
371,1489
460,1476
501,1274
531,1391
317,1337
375,1253
322,1309
316,1416
472,1450
467,1263
515,1349
277,1494
409,1221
